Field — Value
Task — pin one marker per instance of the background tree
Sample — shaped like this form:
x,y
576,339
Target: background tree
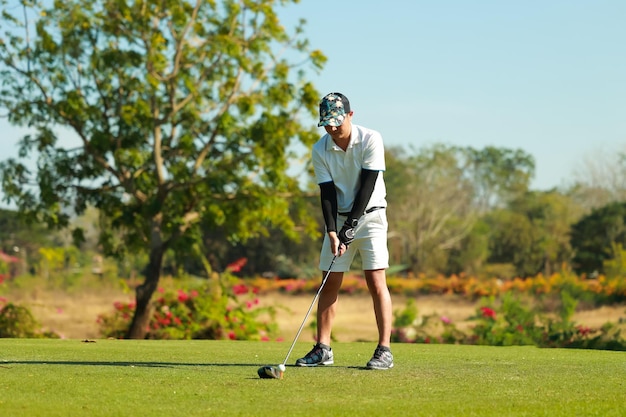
x,y
438,193
600,179
498,175
181,111
596,235
23,240
533,233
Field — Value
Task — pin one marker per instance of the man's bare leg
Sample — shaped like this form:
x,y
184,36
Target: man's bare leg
x,y
377,285
327,307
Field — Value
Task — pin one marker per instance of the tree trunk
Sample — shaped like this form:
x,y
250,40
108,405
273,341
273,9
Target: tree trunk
x,y
143,295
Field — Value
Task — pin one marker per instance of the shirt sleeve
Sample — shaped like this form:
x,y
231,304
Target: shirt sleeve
x,y
322,173
374,153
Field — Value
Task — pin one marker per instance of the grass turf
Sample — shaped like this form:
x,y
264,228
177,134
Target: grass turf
x,y
203,378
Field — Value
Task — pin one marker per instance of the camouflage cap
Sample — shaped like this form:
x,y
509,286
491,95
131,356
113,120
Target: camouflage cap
x,y
333,109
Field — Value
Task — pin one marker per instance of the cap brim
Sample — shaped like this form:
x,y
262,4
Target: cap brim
x,y
331,121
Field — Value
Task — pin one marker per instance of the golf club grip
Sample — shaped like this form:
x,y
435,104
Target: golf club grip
x,y
319,291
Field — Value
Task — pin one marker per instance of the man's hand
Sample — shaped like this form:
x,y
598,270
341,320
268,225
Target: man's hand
x,y
346,234
336,247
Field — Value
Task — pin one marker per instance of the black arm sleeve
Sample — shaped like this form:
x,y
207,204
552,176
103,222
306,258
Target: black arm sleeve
x,y
368,180
328,195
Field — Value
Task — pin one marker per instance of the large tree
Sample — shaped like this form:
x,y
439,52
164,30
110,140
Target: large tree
x,y
182,113
437,194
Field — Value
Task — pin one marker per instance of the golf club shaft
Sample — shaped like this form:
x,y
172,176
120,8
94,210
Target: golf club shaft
x,y
319,291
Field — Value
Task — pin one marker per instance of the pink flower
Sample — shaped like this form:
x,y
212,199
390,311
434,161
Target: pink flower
x,y
446,320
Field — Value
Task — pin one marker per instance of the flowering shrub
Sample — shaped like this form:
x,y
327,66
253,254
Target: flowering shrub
x,y
511,324
410,327
598,291
18,322
209,312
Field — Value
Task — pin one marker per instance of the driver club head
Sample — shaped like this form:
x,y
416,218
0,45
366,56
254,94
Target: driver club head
x,y
270,372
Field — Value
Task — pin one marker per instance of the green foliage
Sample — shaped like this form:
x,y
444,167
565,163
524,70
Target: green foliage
x,y
188,126
18,322
410,327
181,126
512,323
616,265
533,233
595,236
205,312
406,316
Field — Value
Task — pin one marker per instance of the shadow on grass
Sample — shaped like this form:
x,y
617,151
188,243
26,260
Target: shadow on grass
x,y
5,364
124,363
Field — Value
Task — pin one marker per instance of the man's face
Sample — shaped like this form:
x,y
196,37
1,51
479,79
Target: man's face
x,y
341,133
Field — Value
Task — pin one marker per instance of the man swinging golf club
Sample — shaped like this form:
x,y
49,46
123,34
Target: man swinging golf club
x,y
349,161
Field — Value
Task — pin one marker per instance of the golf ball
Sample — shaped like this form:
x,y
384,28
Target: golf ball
x,y
281,367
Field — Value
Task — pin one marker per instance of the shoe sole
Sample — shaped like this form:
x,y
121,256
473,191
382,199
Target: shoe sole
x,y
310,365
379,368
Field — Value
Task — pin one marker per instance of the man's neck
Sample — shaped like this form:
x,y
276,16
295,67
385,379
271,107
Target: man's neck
x,y
344,142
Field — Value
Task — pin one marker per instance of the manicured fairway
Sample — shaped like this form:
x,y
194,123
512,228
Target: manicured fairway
x,y
218,378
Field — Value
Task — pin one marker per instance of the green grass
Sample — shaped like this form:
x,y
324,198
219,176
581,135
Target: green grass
x,y
207,378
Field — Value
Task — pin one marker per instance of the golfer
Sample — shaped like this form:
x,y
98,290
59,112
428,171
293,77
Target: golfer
x,y
349,161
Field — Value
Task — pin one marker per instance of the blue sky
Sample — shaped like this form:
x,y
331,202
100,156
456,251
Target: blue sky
x,y
546,76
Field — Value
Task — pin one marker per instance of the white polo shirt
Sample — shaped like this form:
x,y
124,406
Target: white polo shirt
x,y
331,163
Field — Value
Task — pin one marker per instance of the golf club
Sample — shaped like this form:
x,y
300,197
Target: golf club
x,y
276,372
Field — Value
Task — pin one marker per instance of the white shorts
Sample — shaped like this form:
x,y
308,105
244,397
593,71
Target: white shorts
x,y
370,241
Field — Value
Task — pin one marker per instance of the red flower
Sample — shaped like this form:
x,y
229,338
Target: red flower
x,y
237,265
182,296
240,289
488,312
232,335
583,331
